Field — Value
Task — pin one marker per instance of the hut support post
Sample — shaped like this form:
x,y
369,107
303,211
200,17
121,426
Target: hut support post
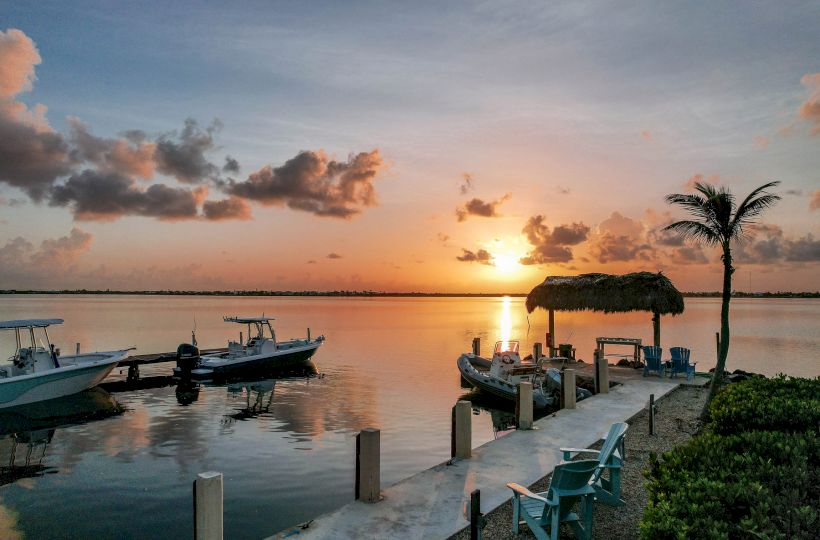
x,y
656,329
551,343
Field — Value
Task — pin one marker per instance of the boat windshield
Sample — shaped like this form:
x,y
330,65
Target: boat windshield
x,y
506,346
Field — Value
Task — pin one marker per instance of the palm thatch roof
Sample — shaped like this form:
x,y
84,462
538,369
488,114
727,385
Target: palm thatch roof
x,y
639,291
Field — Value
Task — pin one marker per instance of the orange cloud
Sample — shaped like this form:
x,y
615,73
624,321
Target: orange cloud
x,y
810,109
18,56
477,207
312,182
230,208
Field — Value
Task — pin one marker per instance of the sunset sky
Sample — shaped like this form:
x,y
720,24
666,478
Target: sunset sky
x,y
408,146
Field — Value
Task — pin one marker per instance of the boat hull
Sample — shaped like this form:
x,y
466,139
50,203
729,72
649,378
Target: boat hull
x,y
56,383
485,383
207,368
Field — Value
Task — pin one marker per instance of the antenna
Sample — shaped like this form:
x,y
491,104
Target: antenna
x,y
193,333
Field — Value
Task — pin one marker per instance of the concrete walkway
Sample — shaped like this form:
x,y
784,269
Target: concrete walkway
x,y
435,503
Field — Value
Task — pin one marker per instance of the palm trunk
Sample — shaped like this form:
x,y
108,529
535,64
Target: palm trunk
x,y
724,324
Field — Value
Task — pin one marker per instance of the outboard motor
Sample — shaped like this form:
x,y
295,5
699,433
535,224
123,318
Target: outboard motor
x,y
187,357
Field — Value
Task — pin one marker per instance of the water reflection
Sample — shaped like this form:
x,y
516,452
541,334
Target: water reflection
x,y
505,323
27,431
258,398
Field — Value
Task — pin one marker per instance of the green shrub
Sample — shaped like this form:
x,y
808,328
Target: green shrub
x,y
779,404
745,476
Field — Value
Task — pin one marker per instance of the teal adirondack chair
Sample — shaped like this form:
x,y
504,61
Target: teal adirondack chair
x,y
652,360
610,457
541,511
680,362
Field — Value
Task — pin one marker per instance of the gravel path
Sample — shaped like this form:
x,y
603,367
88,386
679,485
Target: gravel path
x,y
676,422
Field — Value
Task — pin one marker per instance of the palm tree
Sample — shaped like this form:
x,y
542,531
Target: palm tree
x,y
718,221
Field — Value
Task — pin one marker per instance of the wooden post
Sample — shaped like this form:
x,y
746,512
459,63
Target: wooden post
x,y
536,352
477,346
524,418
368,467
656,329
463,437
551,343
476,517
651,414
208,511
308,334
568,385
602,372
78,350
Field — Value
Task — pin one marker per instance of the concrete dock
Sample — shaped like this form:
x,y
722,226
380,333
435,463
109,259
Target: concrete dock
x,y
434,504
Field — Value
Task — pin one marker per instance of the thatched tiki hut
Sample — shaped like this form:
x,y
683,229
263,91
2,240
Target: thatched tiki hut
x,y
639,291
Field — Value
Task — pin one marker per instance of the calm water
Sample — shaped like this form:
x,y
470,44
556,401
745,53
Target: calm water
x,y
286,446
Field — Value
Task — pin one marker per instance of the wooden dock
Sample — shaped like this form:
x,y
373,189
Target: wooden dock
x,y
133,363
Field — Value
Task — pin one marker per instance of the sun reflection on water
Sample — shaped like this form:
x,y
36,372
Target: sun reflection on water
x,y
505,323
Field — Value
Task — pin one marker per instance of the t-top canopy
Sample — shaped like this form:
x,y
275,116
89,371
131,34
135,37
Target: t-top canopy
x,y
29,323
247,320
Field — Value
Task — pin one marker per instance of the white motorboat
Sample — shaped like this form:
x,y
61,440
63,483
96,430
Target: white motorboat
x,y
259,355
37,372
502,374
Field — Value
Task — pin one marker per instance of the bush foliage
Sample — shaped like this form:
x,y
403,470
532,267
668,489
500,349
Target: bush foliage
x,y
753,473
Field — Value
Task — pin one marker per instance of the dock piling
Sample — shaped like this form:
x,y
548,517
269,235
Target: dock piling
x,y
568,388
477,520
477,346
524,409
601,373
368,465
78,350
536,352
208,512
462,431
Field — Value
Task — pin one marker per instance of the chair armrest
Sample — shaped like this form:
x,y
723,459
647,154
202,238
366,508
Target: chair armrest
x,y
521,490
568,451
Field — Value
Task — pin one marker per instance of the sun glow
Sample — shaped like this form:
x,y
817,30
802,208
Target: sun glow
x,y
506,263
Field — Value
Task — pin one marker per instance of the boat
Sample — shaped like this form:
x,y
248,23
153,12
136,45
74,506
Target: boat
x,y
38,372
502,374
259,355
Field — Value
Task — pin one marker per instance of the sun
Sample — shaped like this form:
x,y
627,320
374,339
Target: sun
x,y
506,263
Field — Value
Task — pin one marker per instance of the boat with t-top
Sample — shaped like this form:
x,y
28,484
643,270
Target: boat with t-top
x,y
37,371
260,354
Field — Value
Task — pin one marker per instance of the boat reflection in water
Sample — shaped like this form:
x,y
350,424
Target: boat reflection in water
x,y
258,393
27,430
501,411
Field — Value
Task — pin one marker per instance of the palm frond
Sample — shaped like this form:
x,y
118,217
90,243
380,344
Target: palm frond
x,y
752,206
700,232
697,206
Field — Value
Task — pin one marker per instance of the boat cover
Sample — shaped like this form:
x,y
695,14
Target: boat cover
x,y
25,323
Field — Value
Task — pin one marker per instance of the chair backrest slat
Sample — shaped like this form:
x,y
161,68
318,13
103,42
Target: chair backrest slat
x,y
612,443
652,355
573,475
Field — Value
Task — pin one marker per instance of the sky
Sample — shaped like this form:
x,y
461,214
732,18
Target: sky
x,y
400,146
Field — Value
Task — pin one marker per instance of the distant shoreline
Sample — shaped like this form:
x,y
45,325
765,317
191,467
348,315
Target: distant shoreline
x,y
378,294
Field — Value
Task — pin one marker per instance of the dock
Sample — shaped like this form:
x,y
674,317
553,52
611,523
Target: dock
x,y
435,503
134,362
